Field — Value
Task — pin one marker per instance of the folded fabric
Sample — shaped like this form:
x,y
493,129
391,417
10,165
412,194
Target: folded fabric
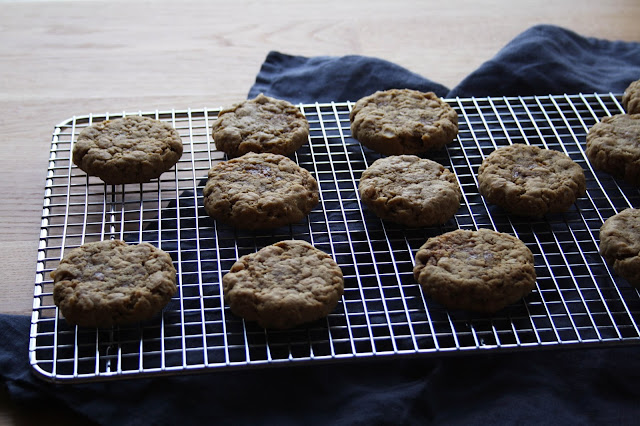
x,y
544,60
548,60
586,386
338,79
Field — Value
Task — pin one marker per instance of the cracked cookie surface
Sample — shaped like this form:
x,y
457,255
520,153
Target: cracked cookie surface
x,y
481,271
262,124
108,283
613,146
620,244
284,285
132,149
259,191
403,121
410,191
530,181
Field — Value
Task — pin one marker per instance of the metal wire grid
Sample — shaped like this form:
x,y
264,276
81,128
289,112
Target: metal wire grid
x,y
577,299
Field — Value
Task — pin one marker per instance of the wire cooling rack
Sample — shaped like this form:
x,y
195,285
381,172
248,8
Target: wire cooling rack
x,y
577,300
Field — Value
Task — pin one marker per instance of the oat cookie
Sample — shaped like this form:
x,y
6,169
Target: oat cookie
x,y
631,98
403,121
108,283
127,150
481,271
284,285
613,146
531,181
262,124
620,244
259,191
410,191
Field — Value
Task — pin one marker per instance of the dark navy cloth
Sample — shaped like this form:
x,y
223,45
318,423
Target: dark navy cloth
x,y
544,60
548,60
585,387
560,386
326,78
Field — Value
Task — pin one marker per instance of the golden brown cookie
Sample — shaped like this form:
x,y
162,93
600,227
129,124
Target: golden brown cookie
x,y
631,98
620,244
410,191
110,283
613,146
127,150
262,124
284,285
403,121
259,191
481,271
531,181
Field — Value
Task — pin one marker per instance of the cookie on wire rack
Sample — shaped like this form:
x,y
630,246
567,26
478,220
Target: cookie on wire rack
x,y
259,191
262,124
132,149
530,181
613,146
480,271
403,121
409,190
631,98
284,285
107,283
620,244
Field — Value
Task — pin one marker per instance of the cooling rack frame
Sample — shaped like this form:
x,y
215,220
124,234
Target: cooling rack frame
x,y
578,299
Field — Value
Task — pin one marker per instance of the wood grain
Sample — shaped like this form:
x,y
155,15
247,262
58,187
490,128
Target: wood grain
x,y
58,59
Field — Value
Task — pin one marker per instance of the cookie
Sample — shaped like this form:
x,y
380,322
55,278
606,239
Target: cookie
x,y
613,146
530,181
620,244
411,191
127,150
259,191
262,124
631,98
109,283
481,271
403,121
284,285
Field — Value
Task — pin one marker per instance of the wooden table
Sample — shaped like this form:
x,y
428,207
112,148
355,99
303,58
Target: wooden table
x,y
59,59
